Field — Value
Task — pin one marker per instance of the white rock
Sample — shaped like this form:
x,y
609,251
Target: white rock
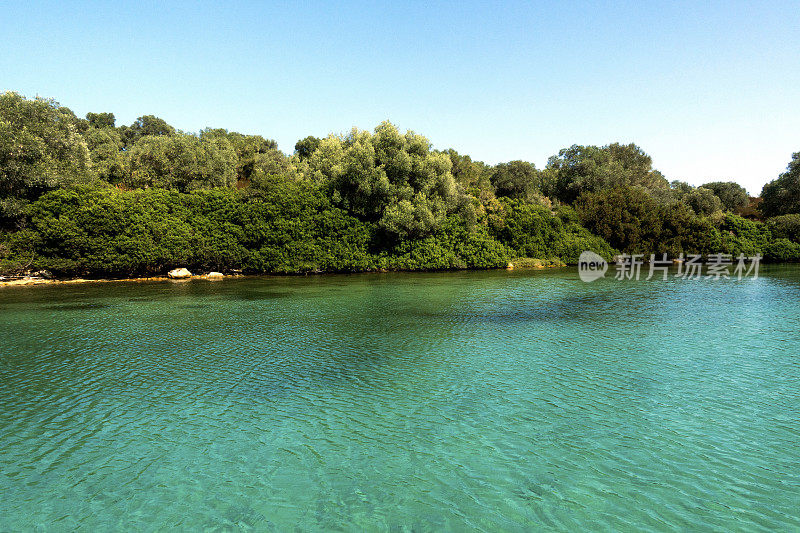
x,y
179,273
214,275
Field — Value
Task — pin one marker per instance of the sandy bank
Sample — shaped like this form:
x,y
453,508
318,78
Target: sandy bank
x,y
20,282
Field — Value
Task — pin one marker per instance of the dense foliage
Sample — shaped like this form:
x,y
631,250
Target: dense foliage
x,y
782,196
732,196
589,169
40,149
83,196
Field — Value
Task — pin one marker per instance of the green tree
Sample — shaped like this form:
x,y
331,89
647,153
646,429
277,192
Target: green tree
x,y
533,231
471,175
271,168
782,251
785,227
633,221
681,188
305,147
101,120
390,178
581,169
516,179
40,150
703,201
253,152
627,217
145,126
732,195
109,161
782,196
182,162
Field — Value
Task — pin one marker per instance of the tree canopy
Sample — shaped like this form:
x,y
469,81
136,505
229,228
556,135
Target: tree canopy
x,y
782,196
182,162
40,149
703,201
581,169
86,197
388,177
733,196
147,125
517,179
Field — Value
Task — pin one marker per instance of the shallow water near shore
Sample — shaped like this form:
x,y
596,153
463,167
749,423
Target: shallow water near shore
x,y
502,400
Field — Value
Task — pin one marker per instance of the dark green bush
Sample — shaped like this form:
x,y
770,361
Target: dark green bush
x,y
534,231
785,227
782,251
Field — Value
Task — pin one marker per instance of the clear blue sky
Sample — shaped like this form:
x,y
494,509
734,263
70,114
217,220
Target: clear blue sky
x,y
711,90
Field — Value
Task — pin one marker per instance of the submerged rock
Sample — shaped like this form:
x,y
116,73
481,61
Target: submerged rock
x,y
179,273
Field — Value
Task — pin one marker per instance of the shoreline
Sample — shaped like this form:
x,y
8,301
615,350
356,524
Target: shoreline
x,y
29,281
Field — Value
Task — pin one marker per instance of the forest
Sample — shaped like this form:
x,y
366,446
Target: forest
x,y
88,197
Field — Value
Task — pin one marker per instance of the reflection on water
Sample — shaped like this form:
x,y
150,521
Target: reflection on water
x,y
470,400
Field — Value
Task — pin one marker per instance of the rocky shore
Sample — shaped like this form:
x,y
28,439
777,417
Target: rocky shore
x,y
183,274
45,278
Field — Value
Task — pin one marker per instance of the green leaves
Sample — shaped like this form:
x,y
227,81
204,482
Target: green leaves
x,y
145,126
782,196
83,196
40,149
703,201
587,169
517,179
387,177
733,196
182,162
533,231
785,227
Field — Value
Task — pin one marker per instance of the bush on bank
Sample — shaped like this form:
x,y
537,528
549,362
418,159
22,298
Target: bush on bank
x,y
85,197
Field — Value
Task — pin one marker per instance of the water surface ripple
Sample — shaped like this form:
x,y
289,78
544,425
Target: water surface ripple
x,y
494,401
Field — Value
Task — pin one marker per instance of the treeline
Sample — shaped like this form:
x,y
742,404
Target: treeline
x,y
83,196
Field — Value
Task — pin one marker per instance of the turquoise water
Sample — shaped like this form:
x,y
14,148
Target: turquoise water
x,y
496,401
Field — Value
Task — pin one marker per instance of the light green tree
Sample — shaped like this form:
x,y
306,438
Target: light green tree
x,y
253,152
109,160
391,178
181,162
40,150
101,120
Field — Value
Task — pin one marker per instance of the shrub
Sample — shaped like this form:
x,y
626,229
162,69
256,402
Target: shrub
x,y
782,251
785,227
